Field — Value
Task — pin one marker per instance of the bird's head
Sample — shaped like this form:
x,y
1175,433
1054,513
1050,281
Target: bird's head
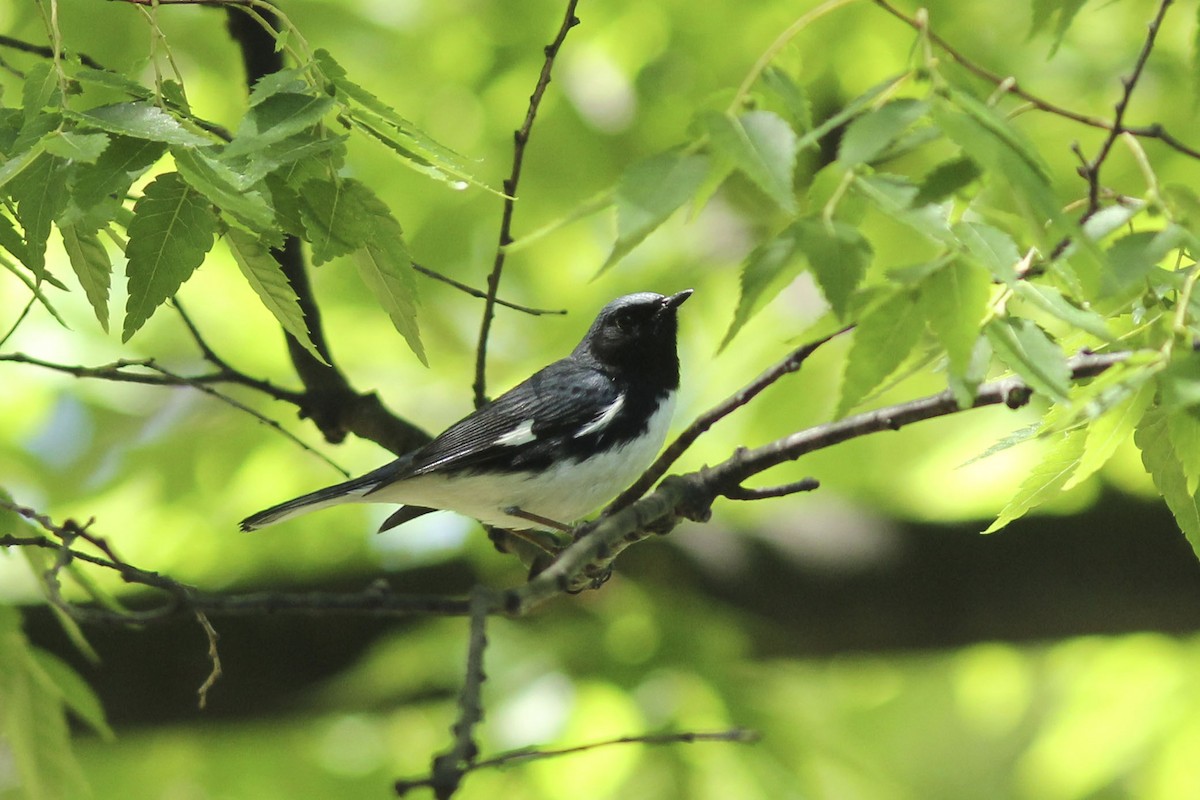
x,y
637,333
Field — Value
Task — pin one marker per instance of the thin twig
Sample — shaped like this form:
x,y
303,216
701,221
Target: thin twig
x,y
462,287
1153,131
1091,171
520,140
45,51
526,754
788,365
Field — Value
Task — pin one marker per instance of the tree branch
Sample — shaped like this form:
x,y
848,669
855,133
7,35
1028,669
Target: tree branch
x,y
520,140
1091,170
1154,131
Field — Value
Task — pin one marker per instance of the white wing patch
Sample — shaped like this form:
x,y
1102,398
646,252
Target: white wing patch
x,y
603,418
522,434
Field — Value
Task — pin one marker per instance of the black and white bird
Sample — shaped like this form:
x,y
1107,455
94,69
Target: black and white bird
x,y
549,450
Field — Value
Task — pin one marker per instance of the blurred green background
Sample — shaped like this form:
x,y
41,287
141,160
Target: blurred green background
x,y
881,647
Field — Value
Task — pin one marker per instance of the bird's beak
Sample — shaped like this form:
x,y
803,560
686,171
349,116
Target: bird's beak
x,y
675,300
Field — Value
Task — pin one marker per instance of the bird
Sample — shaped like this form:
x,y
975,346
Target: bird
x,y
548,451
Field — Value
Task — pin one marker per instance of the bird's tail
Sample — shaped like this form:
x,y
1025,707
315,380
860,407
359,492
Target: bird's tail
x,y
346,492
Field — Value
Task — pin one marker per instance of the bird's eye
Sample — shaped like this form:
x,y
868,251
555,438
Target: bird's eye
x,y
624,322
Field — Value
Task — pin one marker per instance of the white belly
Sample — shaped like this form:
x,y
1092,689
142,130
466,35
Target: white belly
x,y
564,493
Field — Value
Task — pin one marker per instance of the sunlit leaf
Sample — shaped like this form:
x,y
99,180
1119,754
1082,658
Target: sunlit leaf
x,y
1159,457
41,195
1044,10
122,162
1029,352
648,193
1053,302
874,132
82,147
1110,430
275,118
335,223
992,247
218,183
171,232
1046,480
954,299
884,337
762,146
140,120
770,267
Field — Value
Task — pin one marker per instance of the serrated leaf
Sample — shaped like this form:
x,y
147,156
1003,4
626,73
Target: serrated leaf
x,y
74,692
386,267
1043,10
32,723
266,278
41,195
140,120
992,247
1019,436
648,193
945,179
874,132
110,80
1110,430
82,147
304,147
1158,456
1179,383
290,80
848,112
1133,256
125,160
1028,351
1183,425
1054,303
762,146
335,223
276,118
791,94
447,163
884,337
92,266
11,240
895,196
20,162
218,183
1046,480
838,256
954,300
172,230
768,268
40,89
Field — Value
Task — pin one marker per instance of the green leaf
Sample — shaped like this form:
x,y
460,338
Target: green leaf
x,y
874,132
386,268
41,195
848,112
885,335
1110,430
17,164
1179,383
218,183
1029,352
1043,10
945,179
838,256
172,230
33,725
1132,257
90,261
1183,425
895,196
447,163
648,193
110,80
82,147
1159,457
954,300
1054,303
992,247
140,120
1046,480
762,146
40,89
335,224
768,268
791,94
276,118
291,80
266,277
74,692
307,146
125,160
